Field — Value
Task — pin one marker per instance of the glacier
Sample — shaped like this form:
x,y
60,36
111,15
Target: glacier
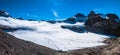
x,y
52,35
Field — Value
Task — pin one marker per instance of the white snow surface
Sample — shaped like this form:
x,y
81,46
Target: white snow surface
x,y
52,35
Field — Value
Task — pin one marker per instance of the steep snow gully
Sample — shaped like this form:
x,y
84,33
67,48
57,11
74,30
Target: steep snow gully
x,y
52,35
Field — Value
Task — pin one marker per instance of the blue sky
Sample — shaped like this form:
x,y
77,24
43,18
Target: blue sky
x,y
57,9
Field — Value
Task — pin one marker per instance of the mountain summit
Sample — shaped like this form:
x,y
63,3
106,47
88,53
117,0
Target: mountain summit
x,y
4,13
97,24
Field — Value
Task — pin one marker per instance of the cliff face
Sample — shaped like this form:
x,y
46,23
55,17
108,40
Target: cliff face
x,y
97,24
9,45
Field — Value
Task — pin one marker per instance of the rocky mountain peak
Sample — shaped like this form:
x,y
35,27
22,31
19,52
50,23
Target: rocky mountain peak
x,y
92,12
97,24
79,15
4,13
112,16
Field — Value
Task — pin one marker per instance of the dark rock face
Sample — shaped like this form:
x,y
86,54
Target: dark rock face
x,y
112,16
76,18
79,29
9,45
70,20
79,15
4,13
93,18
97,24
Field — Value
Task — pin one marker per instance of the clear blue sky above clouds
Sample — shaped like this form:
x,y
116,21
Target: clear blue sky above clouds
x,y
57,9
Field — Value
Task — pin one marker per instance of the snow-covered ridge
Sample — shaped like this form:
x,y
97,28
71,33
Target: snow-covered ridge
x,y
52,35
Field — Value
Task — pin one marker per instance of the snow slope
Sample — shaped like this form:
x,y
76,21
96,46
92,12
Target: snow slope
x,y
52,35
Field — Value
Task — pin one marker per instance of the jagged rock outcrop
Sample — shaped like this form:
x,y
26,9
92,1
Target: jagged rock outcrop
x,y
9,45
112,16
79,15
110,25
3,13
76,18
93,18
79,29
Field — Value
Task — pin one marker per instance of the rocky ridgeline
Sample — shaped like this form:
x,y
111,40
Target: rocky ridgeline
x,y
76,18
108,24
98,24
72,20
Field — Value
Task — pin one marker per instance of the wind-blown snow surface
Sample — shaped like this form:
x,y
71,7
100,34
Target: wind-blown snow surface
x,y
52,35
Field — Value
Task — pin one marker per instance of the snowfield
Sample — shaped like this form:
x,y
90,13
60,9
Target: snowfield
x,y
52,35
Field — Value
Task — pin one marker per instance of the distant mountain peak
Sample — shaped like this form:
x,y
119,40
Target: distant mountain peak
x,y
92,12
79,15
4,13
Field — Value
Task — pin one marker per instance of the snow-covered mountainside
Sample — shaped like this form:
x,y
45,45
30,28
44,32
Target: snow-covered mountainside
x,y
52,35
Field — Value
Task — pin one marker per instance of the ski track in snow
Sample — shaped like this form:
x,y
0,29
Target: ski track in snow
x,y
52,35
